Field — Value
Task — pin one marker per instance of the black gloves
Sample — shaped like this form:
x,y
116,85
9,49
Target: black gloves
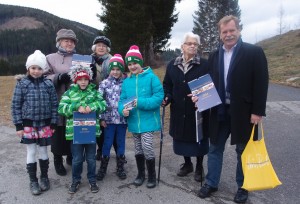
x,y
64,78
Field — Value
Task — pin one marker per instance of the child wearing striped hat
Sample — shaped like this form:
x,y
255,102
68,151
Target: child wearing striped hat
x,y
144,118
114,124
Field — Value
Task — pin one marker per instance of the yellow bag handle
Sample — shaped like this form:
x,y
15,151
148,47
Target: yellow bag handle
x,y
262,131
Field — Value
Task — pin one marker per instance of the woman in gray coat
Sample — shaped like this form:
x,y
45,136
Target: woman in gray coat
x,y
59,64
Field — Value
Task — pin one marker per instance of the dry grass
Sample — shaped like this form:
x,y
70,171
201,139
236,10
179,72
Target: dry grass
x,y
7,86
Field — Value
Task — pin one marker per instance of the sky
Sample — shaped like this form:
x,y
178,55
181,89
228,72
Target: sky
x,y
260,18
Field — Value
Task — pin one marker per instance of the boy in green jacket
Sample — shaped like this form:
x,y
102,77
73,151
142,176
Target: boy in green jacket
x,y
84,98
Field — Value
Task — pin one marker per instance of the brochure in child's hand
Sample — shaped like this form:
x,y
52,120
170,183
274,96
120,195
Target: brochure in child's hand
x,y
129,102
205,90
84,128
84,60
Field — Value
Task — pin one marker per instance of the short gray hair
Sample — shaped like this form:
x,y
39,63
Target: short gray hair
x,y
190,35
94,48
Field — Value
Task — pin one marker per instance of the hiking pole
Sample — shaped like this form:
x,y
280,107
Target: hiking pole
x,y
161,141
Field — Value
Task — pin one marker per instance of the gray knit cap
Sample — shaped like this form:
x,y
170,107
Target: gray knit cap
x,y
66,34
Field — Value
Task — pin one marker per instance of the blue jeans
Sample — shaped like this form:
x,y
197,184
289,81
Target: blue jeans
x,y
81,152
215,157
111,131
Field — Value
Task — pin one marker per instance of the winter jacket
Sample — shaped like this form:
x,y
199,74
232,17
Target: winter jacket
x,y
34,103
147,88
58,64
110,88
182,109
100,68
74,98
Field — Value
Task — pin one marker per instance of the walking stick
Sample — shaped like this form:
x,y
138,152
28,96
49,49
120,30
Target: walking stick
x,y
161,141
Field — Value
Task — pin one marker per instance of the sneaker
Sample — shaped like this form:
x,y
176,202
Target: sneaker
x,y
94,187
206,191
74,187
241,196
185,169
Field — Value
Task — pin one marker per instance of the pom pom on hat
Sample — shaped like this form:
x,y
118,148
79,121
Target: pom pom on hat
x,y
79,71
116,61
134,55
37,59
66,34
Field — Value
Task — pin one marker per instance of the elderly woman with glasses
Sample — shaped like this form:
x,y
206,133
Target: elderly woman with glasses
x,y
186,67
101,48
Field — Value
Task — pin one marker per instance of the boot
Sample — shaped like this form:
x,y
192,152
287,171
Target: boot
x,y
102,170
44,166
34,185
151,173
140,162
199,173
120,167
69,160
58,164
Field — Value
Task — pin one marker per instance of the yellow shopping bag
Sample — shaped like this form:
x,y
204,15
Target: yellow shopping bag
x,y
257,167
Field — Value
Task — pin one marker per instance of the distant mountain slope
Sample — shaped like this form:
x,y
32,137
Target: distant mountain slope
x,y
283,54
23,30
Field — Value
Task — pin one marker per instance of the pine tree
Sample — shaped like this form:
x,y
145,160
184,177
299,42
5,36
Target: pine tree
x,y
207,18
145,23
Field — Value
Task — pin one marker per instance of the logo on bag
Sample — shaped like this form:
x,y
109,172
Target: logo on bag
x,y
258,161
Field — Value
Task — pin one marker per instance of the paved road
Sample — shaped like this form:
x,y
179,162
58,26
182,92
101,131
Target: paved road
x,y
282,127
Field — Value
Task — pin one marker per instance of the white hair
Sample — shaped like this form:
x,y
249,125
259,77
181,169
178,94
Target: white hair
x,y
94,48
190,35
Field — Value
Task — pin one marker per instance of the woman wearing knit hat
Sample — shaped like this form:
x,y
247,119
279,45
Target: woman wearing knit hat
x,y
34,123
59,66
114,124
84,98
144,118
101,48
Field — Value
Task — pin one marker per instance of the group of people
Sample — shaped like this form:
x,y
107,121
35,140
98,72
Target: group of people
x,y
239,71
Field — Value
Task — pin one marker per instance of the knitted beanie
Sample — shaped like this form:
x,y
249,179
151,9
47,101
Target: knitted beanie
x,y
116,61
38,59
66,34
79,71
134,55
103,40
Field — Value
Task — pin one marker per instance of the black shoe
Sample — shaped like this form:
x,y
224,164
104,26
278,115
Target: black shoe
x,y
199,174
185,169
59,167
69,160
241,196
206,190
94,187
74,187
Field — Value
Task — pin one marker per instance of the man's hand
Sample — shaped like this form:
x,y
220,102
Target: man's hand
x,y
255,119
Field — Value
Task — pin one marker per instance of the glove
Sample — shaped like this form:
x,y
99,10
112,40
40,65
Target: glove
x,y
94,70
64,78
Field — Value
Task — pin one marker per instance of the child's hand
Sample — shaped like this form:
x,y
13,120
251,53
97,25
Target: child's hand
x,y
103,124
88,109
126,111
20,133
81,109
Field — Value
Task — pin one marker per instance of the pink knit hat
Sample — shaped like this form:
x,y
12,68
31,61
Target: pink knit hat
x,y
116,61
134,55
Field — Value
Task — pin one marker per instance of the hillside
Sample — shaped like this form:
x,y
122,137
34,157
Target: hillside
x,y
23,30
283,54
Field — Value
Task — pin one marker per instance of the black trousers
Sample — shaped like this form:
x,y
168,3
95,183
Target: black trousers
x,y
60,145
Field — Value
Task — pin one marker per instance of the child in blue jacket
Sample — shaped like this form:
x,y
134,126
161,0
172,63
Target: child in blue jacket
x,y
144,118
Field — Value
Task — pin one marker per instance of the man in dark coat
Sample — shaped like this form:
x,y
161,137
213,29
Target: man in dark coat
x,y
240,73
180,71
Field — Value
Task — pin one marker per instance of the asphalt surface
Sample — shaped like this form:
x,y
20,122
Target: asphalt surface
x,y
282,127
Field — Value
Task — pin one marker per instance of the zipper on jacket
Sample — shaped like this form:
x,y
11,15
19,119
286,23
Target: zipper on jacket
x,y
138,112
